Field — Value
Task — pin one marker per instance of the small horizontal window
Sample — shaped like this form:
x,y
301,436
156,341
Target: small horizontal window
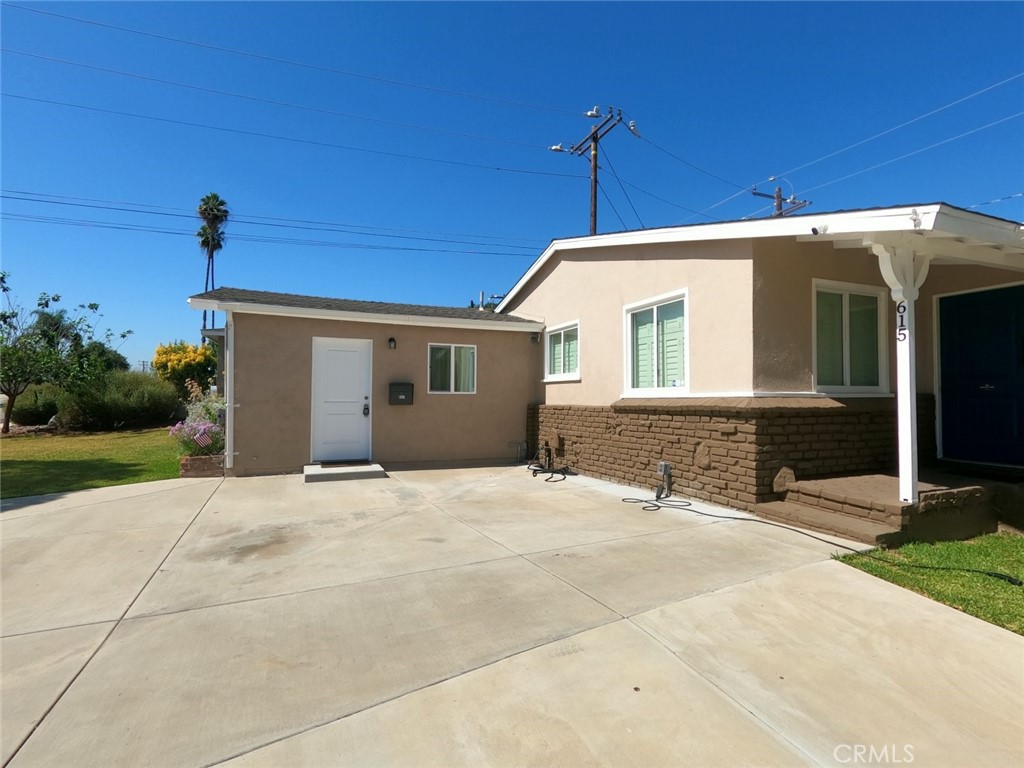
x,y
452,368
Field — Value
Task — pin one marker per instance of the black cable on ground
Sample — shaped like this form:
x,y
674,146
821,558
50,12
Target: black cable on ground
x,y
537,467
652,505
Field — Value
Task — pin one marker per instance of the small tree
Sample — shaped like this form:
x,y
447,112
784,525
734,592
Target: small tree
x,y
24,358
180,361
45,346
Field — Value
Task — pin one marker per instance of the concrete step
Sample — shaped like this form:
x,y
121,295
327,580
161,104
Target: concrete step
x,y
317,473
827,521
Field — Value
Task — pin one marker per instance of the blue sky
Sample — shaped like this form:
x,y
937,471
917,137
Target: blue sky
x,y
380,160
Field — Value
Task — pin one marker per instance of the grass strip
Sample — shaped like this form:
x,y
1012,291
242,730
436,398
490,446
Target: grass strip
x,y
32,465
993,600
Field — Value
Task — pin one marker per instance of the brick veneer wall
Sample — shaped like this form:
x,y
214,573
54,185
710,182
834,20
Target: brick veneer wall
x,y
731,451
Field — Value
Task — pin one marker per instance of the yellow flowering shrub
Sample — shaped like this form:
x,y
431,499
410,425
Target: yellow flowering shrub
x,y
180,361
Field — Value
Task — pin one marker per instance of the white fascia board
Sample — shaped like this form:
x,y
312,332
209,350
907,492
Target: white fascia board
x,y
364,317
979,228
847,223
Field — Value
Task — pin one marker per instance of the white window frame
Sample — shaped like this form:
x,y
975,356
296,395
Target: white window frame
x,y
451,372
556,329
845,289
628,311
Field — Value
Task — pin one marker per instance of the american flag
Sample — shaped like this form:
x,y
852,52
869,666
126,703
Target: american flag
x,y
203,439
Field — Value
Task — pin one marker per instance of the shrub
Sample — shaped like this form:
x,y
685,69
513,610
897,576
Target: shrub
x,y
200,434
180,361
36,405
119,399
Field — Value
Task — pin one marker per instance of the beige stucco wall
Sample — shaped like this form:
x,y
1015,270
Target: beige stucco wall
x,y
783,301
783,270
273,390
593,286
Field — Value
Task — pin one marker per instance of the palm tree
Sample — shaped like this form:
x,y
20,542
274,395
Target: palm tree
x,y
213,210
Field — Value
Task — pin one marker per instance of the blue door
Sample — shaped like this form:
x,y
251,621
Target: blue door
x,y
982,383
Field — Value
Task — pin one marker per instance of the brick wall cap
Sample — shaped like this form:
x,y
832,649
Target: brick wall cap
x,y
750,404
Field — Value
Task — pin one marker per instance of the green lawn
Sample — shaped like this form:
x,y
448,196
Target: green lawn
x,y
991,599
37,464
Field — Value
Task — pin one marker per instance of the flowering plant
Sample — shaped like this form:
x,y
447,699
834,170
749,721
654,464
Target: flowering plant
x,y
200,434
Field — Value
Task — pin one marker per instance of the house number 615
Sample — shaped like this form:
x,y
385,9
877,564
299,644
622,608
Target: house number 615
x,y
901,321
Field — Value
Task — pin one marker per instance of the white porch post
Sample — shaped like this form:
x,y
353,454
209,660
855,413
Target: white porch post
x,y
904,272
229,390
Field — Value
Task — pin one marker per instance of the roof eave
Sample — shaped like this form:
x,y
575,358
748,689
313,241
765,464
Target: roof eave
x,y
920,219
195,302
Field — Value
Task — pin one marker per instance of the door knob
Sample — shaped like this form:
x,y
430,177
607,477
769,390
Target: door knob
x,y
366,410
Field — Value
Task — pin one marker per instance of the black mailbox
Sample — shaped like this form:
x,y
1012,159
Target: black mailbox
x,y
400,393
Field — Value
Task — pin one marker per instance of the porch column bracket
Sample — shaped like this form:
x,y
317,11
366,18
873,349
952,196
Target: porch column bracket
x,y
904,271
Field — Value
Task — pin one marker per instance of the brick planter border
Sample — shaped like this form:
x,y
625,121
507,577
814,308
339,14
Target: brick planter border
x,y
202,466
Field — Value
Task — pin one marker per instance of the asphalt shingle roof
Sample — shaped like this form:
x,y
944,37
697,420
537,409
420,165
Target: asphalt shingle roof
x,y
269,298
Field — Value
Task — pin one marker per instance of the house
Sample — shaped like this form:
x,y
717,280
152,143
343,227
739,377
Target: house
x,y
312,380
748,353
744,353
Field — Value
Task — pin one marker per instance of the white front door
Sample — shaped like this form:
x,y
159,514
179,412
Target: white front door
x,y
341,399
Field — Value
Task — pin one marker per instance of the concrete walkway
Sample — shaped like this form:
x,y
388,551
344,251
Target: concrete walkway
x,y
478,617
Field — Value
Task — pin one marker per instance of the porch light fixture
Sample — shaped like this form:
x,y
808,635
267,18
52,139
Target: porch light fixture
x,y
392,344
535,338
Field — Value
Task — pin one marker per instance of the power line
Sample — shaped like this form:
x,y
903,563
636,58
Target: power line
x,y
625,194
694,167
275,218
292,139
863,141
337,114
915,152
293,63
902,157
92,223
668,202
997,200
612,205
237,219
905,124
274,102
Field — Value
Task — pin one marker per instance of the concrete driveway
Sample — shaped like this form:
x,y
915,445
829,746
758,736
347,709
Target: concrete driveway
x,y
470,617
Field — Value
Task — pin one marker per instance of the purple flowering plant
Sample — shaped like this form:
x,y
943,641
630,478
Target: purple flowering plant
x,y
200,434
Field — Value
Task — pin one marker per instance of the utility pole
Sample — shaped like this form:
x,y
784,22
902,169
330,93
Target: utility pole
x,y
598,132
791,201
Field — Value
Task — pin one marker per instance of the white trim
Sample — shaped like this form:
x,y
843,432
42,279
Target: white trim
x,y
845,289
759,393
452,345
628,310
552,378
364,317
661,298
229,391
